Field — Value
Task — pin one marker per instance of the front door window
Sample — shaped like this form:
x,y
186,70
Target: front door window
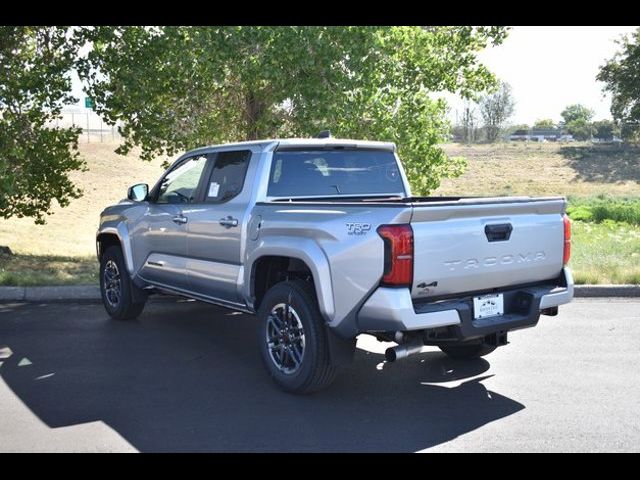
x,y
181,183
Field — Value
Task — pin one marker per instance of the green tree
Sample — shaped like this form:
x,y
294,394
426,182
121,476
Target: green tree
x,y
577,112
496,108
581,129
35,156
620,75
576,121
544,123
606,129
174,88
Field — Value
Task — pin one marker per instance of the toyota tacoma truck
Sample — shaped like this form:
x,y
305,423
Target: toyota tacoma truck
x,y
323,241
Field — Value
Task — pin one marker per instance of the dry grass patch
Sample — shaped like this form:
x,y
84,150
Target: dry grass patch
x,y
71,231
29,270
540,169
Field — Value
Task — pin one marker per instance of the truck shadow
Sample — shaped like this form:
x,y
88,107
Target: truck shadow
x,y
604,163
188,377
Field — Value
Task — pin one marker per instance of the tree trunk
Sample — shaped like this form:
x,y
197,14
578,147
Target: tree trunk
x,y
254,109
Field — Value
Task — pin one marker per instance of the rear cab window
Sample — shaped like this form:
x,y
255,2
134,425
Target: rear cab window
x,y
334,173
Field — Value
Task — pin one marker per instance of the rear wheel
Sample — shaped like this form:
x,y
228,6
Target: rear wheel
x,y
293,338
121,298
462,351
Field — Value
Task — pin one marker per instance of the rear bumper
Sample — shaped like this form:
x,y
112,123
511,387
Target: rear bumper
x,y
392,309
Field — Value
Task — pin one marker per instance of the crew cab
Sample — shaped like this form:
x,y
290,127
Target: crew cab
x,y
323,241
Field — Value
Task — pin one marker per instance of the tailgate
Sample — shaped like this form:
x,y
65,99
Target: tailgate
x,y
474,245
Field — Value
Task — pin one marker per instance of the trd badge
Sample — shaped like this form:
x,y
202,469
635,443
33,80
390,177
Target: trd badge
x,y
358,228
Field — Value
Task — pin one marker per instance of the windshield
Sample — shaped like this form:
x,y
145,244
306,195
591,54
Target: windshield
x,y
334,173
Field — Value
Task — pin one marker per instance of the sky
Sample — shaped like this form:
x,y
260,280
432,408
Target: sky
x,y
548,68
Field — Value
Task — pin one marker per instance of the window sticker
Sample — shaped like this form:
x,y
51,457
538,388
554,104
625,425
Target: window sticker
x,y
214,188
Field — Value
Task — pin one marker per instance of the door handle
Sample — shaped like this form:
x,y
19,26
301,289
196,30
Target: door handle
x,y
179,219
498,233
229,222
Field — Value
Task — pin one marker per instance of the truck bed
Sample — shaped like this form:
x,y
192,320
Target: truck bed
x,y
467,244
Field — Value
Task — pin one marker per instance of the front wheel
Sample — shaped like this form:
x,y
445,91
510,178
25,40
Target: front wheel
x,y
118,292
465,351
293,340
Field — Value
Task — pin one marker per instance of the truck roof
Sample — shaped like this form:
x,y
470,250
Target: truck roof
x,y
272,144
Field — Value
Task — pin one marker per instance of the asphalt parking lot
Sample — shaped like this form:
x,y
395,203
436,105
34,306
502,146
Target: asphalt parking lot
x,y
187,377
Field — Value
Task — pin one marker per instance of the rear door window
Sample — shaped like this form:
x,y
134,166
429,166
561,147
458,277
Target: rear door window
x,y
227,176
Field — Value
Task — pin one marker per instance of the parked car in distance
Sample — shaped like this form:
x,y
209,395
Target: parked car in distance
x,y
323,241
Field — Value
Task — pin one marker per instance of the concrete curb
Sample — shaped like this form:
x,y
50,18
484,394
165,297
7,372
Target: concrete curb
x,y
91,293
50,294
607,291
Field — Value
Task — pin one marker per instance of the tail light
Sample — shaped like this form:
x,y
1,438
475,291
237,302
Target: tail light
x,y
567,239
398,255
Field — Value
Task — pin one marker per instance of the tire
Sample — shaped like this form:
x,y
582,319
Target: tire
x,y
119,306
467,351
297,360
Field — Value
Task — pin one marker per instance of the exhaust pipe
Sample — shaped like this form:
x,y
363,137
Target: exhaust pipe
x,y
402,351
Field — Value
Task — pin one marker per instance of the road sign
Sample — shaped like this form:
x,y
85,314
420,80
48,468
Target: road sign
x,y
88,102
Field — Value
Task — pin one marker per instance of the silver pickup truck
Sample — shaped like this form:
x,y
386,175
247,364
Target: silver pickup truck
x,y
322,240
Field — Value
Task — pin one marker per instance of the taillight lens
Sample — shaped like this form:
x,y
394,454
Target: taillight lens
x,y
567,239
398,255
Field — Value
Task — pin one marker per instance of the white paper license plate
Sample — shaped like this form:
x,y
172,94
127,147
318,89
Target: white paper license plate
x,y
488,306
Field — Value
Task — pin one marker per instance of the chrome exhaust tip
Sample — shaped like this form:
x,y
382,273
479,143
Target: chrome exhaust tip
x,y
402,351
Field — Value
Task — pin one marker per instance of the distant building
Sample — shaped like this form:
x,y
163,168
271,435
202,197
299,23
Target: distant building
x,y
612,139
519,135
540,135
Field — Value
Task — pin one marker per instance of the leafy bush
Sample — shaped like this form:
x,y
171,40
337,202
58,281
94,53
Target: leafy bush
x,y
600,209
580,212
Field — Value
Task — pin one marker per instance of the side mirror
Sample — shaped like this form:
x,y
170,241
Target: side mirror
x,y
138,192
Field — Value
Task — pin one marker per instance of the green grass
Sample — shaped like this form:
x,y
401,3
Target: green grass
x,y
30,270
601,208
606,252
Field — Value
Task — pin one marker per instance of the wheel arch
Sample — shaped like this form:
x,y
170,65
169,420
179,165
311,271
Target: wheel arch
x,y
115,236
270,261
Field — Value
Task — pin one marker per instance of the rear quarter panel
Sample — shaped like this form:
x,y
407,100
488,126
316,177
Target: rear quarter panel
x,y
340,240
